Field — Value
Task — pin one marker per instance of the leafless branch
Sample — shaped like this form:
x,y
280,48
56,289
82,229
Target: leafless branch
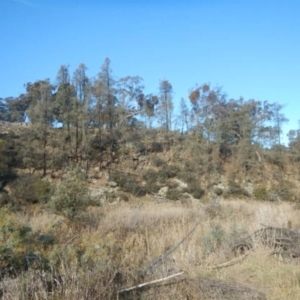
x,y
149,283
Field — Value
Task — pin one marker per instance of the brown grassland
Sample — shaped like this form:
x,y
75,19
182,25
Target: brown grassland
x,y
110,248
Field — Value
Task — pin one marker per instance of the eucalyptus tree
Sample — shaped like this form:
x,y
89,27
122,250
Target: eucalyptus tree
x,y
65,102
41,115
14,109
106,99
278,120
130,92
165,106
81,117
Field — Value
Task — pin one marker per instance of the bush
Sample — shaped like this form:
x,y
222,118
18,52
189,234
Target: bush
x,y
234,189
218,191
173,194
133,187
168,171
260,192
19,245
156,147
71,196
31,189
8,159
157,161
196,191
128,183
284,190
151,178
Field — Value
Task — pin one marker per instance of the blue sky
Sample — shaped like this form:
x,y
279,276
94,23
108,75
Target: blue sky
x,y
250,48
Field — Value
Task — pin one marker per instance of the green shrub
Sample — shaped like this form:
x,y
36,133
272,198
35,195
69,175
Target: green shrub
x,y
218,191
119,177
8,159
151,176
71,196
132,186
234,189
31,189
20,246
213,239
157,161
151,187
195,189
156,147
260,192
173,194
168,171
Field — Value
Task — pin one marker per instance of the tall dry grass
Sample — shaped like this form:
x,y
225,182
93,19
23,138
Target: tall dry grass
x,y
117,243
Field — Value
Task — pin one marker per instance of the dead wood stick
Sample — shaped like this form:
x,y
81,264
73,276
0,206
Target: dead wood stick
x,y
164,256
149,283
230,263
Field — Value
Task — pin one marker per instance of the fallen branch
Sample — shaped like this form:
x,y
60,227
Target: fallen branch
x,y
230,263
149,283
164,256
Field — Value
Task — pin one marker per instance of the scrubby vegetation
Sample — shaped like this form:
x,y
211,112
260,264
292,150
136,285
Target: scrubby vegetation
x,y
100,191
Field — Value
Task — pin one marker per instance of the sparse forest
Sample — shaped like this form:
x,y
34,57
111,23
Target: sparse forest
x,y
104,187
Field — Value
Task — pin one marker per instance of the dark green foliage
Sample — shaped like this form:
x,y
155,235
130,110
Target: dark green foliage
x,y
195,189
140,148
103,142
129,183
4,198
9,158
152,179
71,197
151,176
218,191
156,147
119,177
157,161
134,187
234,189
29,188
19,246
173,194
168,171
213,239
260,192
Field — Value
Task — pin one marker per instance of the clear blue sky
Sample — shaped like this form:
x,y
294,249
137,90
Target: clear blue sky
x,y
250,48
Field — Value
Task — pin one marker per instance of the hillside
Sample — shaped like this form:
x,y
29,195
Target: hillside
x,y
145,205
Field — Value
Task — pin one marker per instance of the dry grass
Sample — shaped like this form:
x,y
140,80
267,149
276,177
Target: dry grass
x,y
128,237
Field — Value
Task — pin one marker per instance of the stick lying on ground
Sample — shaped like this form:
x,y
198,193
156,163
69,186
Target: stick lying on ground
x,y
229,263
149,283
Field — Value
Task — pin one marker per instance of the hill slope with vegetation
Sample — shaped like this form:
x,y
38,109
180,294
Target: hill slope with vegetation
x,y
104,188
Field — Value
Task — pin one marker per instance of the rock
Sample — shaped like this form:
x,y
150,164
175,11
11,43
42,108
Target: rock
x,y
181,185
163,191
112,184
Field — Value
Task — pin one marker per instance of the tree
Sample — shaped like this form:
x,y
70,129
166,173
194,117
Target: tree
x,y
278,119
184,115
65,102
106,95
81,106
41,114
130,92
14,109
3,110
165,107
